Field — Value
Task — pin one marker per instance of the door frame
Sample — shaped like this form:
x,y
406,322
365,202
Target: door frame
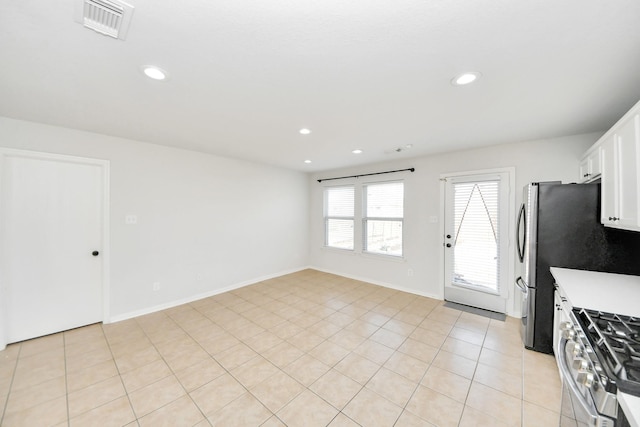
x,y
511,213
105,250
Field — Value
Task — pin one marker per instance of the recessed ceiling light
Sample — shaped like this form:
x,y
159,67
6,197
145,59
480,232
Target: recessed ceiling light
x,y
357,151
305,131
154,72
307,161
465,78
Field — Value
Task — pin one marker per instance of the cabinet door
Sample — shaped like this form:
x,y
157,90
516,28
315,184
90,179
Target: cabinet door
x,y
590,167
627,140
595,167
584,170
609,185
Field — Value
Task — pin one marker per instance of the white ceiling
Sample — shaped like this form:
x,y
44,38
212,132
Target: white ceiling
x,y
246,75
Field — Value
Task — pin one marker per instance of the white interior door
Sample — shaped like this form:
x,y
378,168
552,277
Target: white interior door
x,y
476,240
51,224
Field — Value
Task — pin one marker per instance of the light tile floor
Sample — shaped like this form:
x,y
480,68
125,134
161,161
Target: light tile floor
x,y
305,349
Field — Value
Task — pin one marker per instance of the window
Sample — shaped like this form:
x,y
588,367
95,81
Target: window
x,y
338,217
383,217
476,234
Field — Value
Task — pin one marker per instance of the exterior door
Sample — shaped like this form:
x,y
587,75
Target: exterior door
x,y
52,219
476,239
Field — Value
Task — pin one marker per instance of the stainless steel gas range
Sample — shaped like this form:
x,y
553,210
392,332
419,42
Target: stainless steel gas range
x,y
598,355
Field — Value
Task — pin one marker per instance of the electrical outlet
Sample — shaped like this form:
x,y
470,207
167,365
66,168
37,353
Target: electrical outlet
x,y
156,286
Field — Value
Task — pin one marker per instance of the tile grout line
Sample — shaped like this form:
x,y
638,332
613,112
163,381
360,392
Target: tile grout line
x,y
258,355
330,367
404,408
66,374
172,371
113,357
13,376
424,375
362,386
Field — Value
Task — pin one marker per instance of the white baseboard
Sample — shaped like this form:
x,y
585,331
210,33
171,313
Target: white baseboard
x,y
379,283
164,306
160,307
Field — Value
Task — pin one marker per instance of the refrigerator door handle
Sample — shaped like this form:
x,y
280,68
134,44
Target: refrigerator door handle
x,y
520,284
522,220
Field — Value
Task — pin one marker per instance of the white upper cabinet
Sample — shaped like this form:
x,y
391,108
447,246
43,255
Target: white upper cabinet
x,y
609,182
619,154
590,166
628,141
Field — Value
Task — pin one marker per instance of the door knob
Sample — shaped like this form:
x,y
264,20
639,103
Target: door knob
x,y
95,253
448,236
448,245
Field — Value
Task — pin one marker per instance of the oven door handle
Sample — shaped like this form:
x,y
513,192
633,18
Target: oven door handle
x,y
567,378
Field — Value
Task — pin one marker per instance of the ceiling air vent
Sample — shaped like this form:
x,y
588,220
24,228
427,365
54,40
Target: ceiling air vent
x,y
107,17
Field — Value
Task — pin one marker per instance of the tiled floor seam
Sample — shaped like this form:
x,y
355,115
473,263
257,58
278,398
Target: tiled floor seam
x,y
362,387
13,376
404,408
113,357
172,372
232,375
522,391
66,375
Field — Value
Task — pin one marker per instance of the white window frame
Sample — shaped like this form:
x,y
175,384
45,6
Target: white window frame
x,y
366,219
327,217
359,234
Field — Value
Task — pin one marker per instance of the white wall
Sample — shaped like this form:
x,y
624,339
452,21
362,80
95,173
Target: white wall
x,y
205,223
229,222
545,160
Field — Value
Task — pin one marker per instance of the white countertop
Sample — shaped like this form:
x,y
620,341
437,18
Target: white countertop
x,y
613,293
631,407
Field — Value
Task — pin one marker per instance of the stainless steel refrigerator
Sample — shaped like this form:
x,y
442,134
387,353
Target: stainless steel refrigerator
x,y
558,225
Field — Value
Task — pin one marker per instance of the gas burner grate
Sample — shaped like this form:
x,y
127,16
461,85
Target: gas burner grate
x,y
616,341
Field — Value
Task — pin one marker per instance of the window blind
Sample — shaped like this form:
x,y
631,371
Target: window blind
x,y
476,235
384,215
339,212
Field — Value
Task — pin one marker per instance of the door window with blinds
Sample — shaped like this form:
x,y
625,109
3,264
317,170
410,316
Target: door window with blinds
x,y
339,203
476,242
383,218
476,235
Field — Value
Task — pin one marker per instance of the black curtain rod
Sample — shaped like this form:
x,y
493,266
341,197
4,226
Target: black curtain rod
x,y
368,174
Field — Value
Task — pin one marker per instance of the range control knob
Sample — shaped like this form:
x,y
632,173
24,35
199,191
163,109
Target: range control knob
x,y
598,368
580,364
568,333
575,348
585,378
566,325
